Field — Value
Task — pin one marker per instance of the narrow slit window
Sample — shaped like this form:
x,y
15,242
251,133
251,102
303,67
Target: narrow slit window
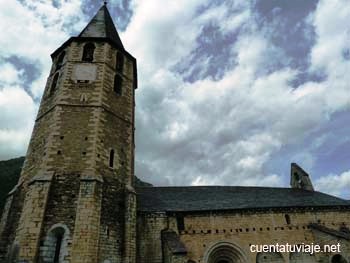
x,y
54,83
60,60
88,53
111,158
180,223
287,217
118,81
119,62
59,238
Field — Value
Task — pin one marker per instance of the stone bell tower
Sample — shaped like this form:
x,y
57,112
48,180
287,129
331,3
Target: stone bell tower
x,y
74,201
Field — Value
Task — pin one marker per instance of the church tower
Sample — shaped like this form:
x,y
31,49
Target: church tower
x,y
74,201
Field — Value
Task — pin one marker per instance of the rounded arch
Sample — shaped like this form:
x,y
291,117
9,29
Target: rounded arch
x,y
54,247
337,258
88,52
225,252
271,257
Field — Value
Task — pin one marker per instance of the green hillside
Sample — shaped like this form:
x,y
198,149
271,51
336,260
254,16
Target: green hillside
x,y
9,174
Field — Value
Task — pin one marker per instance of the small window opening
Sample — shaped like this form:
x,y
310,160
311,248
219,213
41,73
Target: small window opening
x,y
287,217
107,231
54,83
297,177
60,60
111,158
180,223
59,238
118,81
119,62
88,53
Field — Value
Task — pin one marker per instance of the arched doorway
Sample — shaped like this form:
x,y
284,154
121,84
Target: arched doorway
x,y
225,252
338,259
54,244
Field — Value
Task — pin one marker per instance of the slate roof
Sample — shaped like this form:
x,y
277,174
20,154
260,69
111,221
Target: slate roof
x,y
102,26
330,231
214,198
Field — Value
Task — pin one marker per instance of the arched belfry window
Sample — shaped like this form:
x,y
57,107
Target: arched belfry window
x,y
118,82
54,83
111,158
119,62
88,53
60,60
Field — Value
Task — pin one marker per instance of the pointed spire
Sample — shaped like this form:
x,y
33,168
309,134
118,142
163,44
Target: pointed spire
x,y
102,26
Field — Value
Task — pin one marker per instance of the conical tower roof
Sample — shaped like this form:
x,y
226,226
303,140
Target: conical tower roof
x,y
102,26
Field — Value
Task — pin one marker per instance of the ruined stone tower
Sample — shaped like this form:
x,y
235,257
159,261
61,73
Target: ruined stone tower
x,y
75,201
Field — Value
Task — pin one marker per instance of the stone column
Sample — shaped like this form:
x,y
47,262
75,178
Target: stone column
x,y
32,216
130,225
87,222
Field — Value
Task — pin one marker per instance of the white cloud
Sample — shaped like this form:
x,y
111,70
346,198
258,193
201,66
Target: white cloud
x,y
333,37
31,30
225,131
210,131
34,29
9,75
16,121
334,184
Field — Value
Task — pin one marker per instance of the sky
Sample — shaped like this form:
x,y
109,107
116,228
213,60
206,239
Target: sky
x,y
230,92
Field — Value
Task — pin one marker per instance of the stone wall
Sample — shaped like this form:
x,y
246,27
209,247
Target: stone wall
x,y
203,231
149,244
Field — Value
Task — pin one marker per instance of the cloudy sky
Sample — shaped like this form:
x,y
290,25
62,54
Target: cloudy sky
x,y
230,92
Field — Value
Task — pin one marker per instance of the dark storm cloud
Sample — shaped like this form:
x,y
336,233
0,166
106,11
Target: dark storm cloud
x,y
213,53
214,49
31,70
286,25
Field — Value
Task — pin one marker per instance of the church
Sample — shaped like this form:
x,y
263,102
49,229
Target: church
x,y
76,200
